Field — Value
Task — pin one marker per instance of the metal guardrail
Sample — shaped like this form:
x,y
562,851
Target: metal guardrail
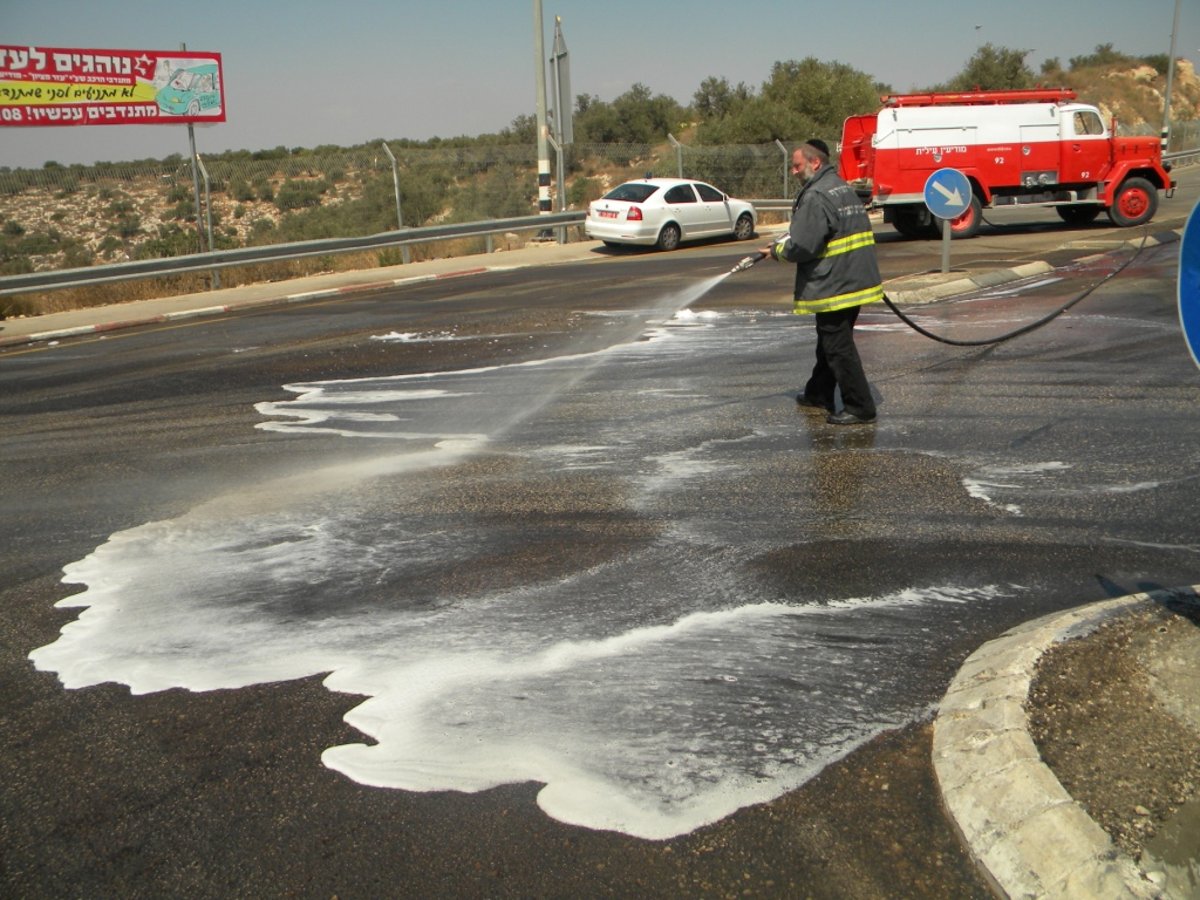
x,y
241,256
1183,157
195,262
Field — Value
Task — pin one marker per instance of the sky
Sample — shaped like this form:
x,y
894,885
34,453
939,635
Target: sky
x,y
311,72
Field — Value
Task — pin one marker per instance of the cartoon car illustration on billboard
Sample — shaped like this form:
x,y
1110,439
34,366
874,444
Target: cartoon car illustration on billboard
x,y
191,91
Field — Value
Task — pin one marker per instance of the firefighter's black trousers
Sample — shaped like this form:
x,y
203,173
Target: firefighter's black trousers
x,y
838,364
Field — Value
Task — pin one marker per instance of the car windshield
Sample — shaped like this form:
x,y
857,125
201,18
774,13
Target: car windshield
x,y
182,81
632,192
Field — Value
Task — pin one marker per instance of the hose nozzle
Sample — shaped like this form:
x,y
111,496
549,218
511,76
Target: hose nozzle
x,y
748,262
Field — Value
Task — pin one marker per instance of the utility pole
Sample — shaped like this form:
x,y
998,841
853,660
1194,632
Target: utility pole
x,y
1166,126
543,143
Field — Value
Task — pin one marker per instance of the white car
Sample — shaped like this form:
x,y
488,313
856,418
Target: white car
x,y
662,212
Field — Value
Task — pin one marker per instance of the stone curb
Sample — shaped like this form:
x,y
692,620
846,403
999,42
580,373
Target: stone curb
x,y
1024,832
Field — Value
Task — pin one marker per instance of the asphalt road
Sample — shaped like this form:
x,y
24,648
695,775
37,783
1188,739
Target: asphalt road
x,y
1028,477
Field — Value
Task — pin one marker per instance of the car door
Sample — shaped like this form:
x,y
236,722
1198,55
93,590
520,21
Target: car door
x,y
683,207
715,211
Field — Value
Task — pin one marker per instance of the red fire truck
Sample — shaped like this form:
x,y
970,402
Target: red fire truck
x,y
1016,147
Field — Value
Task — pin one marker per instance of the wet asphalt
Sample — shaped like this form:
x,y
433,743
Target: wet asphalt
x,y
223,792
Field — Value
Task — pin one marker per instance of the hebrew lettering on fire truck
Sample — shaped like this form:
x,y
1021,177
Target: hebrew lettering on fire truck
x,y
1016,147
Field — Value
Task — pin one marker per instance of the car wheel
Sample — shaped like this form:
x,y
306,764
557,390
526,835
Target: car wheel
x,y
194,108
744,229
668,238
1136,202
1077,215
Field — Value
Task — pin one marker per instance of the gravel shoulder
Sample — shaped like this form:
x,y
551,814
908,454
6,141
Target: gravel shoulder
x,y
1116,717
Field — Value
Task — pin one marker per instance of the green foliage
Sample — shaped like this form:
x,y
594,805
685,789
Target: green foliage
x,y
120,208
501,193
1104,55
126,226
179,192
300,194
1160,62
76,256
583,191
993,68
171,240
13,228
802,99
716,99
635,117
241,190
263,188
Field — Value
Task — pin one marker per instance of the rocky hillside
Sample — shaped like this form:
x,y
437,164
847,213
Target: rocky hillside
x,y
1135,95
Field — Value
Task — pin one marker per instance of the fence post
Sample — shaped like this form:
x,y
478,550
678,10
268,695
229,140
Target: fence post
x,y
404,255
561,230
786,166
216,273
678,152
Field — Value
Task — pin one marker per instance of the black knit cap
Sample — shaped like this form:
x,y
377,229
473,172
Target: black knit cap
x,y
818,144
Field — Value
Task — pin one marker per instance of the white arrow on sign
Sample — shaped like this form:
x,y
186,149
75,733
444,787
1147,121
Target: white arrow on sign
x,y
952,196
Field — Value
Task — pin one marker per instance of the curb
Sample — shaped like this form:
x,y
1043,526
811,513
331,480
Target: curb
x,y
1024,832
947,289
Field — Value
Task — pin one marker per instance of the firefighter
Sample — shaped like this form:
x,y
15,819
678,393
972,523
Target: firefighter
x,y
831,242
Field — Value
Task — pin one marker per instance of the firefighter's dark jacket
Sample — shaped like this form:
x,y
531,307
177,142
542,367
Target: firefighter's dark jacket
x,y
831,242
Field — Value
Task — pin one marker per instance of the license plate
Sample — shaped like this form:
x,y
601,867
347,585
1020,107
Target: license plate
x,y
608,213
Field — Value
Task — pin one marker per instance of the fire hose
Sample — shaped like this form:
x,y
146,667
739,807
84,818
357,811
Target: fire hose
x,y
755,258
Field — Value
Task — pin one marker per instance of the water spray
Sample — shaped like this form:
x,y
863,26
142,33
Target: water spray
x,y
749,261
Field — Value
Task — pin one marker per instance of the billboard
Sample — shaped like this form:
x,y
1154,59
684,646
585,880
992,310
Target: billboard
x,y
56,86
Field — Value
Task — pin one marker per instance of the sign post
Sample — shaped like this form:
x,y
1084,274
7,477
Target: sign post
x,y
947,196
1189,283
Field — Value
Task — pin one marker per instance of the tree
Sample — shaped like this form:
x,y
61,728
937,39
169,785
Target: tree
x,y
716,99
993,69
802,99
1104,55
635,117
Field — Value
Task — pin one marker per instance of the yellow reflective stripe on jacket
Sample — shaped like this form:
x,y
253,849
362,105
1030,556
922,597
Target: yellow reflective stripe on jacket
x,y
841,301
849,243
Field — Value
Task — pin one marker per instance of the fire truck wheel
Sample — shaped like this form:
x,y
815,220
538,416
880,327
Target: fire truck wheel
x,y
908,223
1135,202
1077,215
967,225
668,238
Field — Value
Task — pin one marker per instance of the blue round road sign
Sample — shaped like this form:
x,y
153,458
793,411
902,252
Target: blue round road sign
x,y
947,193
1189,283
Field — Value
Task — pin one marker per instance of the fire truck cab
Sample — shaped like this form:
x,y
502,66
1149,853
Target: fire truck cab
x,y
1015,147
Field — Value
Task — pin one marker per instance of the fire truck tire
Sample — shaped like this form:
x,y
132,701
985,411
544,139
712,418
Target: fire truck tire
x,y
1135,202
1077,215
907,221
967,225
